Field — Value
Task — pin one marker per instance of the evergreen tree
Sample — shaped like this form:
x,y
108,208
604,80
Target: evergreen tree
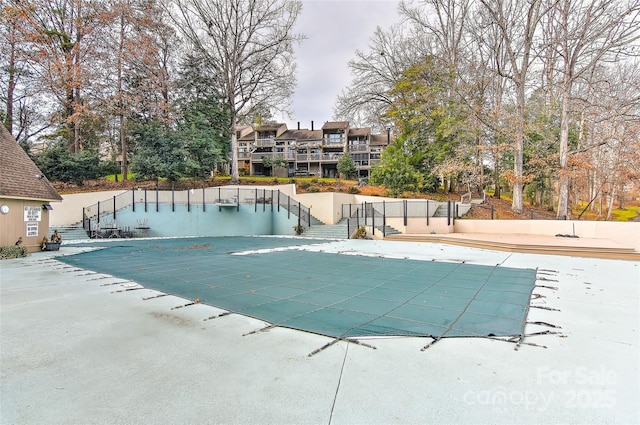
x,y
346,166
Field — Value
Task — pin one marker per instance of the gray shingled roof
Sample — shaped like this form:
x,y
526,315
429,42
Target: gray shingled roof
x,y
335,125
301,135
272,127
19,176
248,137
359,131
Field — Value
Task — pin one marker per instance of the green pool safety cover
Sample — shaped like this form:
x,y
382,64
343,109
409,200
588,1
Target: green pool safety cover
x,y
331,294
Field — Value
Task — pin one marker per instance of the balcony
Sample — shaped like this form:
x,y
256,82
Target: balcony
x,y
358,148
310,157
262,143
319,157
257,157
333,141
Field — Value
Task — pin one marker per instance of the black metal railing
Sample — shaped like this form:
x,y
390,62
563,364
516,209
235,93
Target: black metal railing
x,y
145,200
366,215
375,214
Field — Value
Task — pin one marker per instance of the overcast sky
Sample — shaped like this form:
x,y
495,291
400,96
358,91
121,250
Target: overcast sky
x,y
334,30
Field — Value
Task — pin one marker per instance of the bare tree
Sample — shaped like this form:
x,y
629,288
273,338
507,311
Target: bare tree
x,y
517,26
585,34
486,93
249,45
392,51
608,106
375,72
442,24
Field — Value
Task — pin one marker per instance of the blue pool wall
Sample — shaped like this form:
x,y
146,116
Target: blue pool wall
x,y
211,220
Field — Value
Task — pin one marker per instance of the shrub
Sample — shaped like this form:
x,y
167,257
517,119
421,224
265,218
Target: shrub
x,y
360,233
8,252
313,189
353,190
58,163
305,185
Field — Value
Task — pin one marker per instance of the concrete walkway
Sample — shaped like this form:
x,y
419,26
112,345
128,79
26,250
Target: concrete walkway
x,y
84,348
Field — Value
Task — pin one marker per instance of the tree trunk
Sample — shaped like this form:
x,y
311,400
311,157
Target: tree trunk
x,y
123,139
496,175
517,202
123,147
235,175
8,120
77,80
77,143
69,121
552,194
481,186
612,196
563,189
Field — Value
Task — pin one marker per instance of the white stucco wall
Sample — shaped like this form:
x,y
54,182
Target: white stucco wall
x,y
69,211
327,207
624,233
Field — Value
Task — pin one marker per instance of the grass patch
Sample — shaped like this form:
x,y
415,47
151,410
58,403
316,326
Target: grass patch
x,y
625,214
112,177
617,214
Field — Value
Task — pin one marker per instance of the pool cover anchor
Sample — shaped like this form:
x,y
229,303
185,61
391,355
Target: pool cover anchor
x,y
338,339
226,313
127,289
435,339
542,307
519,339
545,324
120,282
155,296
314,352
102,276
264,329
196,301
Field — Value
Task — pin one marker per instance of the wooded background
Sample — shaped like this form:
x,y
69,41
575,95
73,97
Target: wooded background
x,y
538,99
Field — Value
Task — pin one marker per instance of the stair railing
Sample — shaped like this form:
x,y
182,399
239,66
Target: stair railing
x,y
366,215
375,214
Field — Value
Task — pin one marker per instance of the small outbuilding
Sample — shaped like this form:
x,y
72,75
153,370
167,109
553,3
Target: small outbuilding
x,y
25,196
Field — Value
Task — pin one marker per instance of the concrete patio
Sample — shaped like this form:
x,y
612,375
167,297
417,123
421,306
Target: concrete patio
x,y
79,347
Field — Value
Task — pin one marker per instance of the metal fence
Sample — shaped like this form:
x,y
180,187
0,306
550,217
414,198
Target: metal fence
x,y
375,214
145,200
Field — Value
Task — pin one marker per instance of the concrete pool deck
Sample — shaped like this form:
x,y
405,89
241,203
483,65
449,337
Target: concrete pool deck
x,y
79,347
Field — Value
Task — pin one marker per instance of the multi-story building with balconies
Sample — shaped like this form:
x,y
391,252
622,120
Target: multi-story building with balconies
x,y
273,149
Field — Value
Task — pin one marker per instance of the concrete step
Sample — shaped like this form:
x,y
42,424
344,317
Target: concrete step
x,y
388,230
441,211
541,245
70,233
327,231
